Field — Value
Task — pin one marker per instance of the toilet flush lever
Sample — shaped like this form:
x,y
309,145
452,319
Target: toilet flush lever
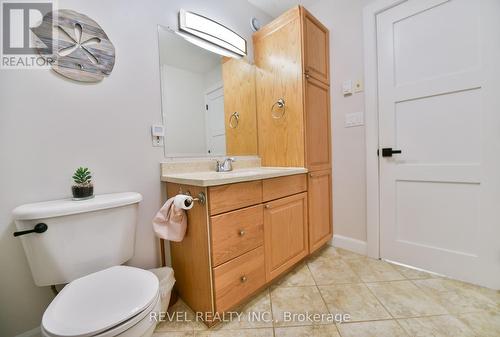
x,y
39,228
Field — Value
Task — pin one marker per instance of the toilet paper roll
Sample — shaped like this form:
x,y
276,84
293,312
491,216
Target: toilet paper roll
x,y
183,201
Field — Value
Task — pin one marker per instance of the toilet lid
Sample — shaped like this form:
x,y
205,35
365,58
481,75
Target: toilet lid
x,y
99,301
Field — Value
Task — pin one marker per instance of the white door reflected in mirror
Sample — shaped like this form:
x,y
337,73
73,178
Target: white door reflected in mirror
x,y
216,133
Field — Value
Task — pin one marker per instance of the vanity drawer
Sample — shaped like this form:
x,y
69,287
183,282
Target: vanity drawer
x,y
239,278
276,188
229,197
236,232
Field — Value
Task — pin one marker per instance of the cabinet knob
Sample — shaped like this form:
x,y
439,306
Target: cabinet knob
x,y
307,76
241,232
243,279
267,206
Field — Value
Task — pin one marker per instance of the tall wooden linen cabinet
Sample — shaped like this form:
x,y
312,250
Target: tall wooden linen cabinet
x,y
293,108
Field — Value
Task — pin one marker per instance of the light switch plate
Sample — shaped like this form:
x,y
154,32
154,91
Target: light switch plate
x,y
157,135
354,119
347,88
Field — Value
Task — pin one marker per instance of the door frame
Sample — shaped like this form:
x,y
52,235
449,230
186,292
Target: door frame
x,y
370,13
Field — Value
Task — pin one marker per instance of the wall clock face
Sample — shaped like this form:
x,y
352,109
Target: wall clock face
x,y
81,50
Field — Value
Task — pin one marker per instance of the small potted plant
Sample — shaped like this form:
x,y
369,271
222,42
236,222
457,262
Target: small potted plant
x,y
83,188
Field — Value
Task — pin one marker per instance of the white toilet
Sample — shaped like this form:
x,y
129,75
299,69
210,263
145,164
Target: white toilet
x,y
84,245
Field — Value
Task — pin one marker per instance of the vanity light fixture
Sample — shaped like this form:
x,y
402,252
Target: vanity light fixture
x,y
210,35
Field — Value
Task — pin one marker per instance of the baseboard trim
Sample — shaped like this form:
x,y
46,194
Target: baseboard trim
x,y
36,332
351,244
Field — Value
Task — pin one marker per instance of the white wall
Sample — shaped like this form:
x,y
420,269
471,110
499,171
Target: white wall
x,y
344,20
184,112
49,126
213,76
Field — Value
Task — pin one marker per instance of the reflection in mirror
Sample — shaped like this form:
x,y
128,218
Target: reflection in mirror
x,y
192,98
208,101
240,107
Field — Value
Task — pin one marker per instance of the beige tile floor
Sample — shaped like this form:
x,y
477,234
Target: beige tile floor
x,y
382,299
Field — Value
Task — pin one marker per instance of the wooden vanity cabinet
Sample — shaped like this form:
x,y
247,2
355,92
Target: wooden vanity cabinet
x,y
317,121
316,48
237,232
248,234
238,279
286,232
243,237
292,62
320,210
279,73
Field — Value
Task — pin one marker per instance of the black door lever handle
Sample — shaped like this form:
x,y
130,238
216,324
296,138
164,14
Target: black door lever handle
x,y
39,228
388,152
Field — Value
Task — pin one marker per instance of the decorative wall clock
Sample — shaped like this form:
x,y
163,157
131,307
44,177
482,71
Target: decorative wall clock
x,y
81,50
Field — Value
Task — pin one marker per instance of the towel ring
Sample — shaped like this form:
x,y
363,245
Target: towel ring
x,y
280,103
235,116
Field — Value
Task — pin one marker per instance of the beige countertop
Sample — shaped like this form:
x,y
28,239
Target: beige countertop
x,y
212,178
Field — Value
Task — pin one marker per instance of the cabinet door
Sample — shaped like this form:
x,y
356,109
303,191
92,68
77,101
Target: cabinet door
x,y
316,48
279,75
320,208
285,233
317,111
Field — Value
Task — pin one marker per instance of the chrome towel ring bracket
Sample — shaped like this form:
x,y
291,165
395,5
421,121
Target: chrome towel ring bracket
x,y
278,109
234,120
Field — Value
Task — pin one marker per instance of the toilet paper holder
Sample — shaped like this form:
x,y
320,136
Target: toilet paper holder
x,y
201,198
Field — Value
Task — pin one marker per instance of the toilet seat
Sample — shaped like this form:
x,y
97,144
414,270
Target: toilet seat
x,y
104,303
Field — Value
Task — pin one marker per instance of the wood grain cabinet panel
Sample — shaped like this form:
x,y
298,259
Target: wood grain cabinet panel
x,y
283,186
320,208
190,257
292,60
285,230
239,96
317,105
279,74
316,48
236,232
229,197
237,279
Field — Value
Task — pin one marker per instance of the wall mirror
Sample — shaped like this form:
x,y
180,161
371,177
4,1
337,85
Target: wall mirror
x,y
208,101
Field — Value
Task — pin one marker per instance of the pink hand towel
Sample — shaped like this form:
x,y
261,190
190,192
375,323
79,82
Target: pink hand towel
x,y
170,222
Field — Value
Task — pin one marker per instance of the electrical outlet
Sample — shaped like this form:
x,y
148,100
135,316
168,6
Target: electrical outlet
x,y
157,141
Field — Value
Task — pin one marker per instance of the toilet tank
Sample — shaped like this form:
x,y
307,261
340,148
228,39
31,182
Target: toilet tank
x,y
82,236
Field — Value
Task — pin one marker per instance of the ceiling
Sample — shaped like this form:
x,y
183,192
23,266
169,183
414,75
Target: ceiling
x,y
275,8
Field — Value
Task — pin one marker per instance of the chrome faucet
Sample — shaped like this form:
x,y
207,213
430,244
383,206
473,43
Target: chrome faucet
x,y
225,166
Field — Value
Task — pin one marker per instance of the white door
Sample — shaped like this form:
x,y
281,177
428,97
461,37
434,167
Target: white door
x,y
216,132
439,103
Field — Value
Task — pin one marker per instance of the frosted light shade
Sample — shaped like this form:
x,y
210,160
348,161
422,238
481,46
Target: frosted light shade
x,y
211,35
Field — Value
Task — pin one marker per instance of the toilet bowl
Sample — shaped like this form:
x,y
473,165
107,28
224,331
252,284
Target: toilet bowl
x,y
84,245
117,301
